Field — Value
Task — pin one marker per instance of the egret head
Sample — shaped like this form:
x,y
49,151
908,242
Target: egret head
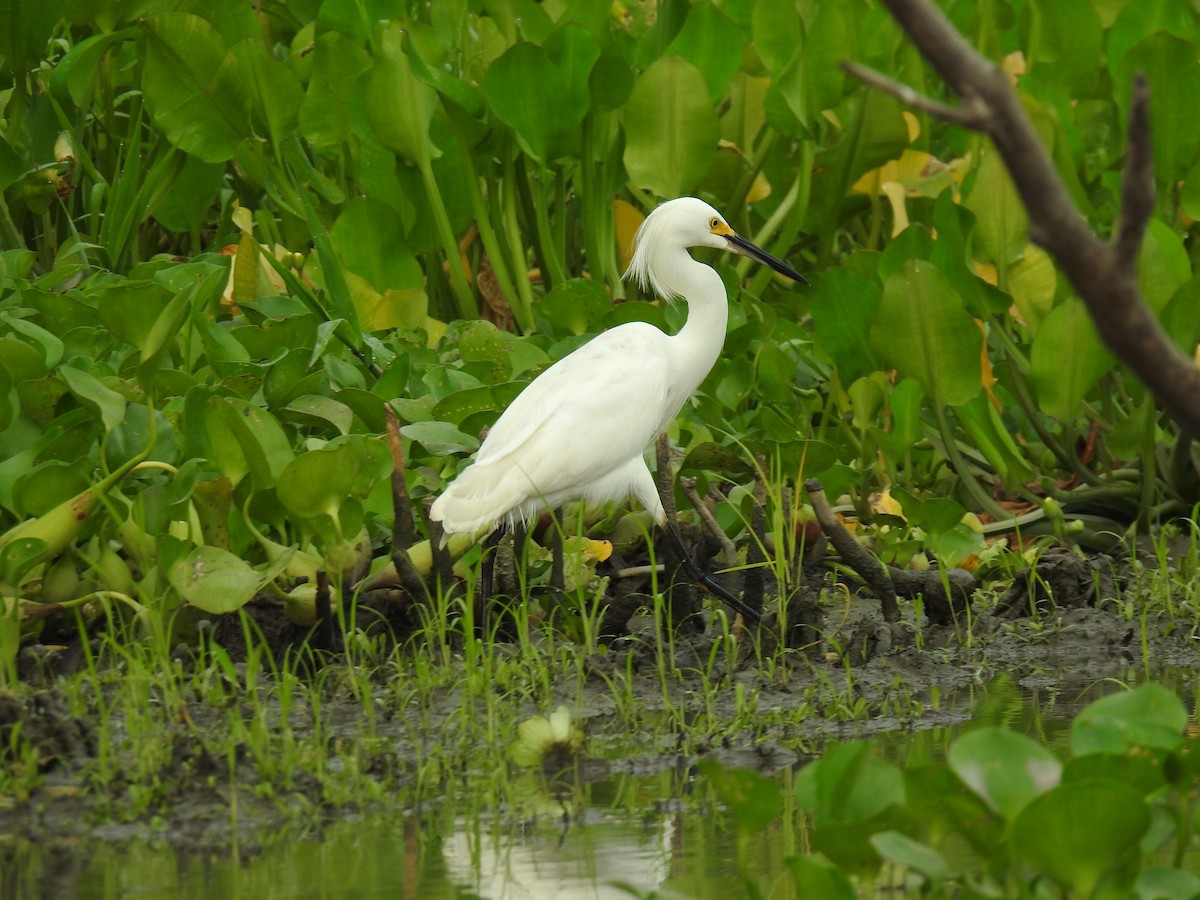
x,y
688,222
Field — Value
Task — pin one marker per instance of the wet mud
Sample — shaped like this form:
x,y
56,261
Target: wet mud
x,y
1062,628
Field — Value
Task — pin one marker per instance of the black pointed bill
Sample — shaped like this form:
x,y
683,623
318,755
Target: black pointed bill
x,y
739,244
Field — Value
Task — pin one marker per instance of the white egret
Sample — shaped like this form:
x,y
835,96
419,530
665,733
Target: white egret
x,y
580,429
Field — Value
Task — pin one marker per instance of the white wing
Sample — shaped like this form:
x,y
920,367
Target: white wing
x,y
586,416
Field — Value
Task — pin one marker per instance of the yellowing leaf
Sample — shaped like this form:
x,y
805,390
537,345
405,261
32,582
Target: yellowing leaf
x,y
1032,281
390,309
627,219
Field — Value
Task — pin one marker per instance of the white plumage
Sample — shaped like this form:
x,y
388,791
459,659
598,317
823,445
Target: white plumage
x,y
579,431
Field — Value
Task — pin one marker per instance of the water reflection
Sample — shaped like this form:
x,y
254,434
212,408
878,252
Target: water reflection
x,y
574,838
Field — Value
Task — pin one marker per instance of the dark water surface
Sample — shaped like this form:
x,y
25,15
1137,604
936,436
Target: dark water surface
x,y
654,827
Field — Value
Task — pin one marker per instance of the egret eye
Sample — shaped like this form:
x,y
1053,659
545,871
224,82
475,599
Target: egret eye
x,y
714,222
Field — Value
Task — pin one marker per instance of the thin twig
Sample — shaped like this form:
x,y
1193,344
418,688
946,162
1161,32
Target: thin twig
x,y
973,115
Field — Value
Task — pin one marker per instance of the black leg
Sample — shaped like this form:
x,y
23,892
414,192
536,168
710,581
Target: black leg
x,y
696,574
487,578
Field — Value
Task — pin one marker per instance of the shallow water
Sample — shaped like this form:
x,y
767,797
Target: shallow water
x,y
654,827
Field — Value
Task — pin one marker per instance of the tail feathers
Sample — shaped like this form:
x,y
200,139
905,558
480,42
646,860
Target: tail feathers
x,y
476,501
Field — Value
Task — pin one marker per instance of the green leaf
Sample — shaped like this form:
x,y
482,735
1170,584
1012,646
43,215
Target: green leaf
x,y
334,103
217,581
25,35
843,307
319,482
1006,769
107,403
1067,360
921,330
574,53
192,87
440,438
1078,833
1166,884
815,877
671,131
778,32
1150,715
1067,45
529,95
400,106
1001,222
369,238
1169,64
707,40
575,306
273,89
245,439
904,851
129,309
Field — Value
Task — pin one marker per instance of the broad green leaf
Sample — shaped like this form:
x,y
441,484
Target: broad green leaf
x,y
1163,265
334,102
382,311
904,851
707,40
273,90
843,307
1064,45
921,330
51,345
41,488
399,106
1142,770
440,438
192,194
192,87
319,482
1137,21
1001,222
1032,282
103,401
245,439
217,581
25,36
368,237
778,32
1067,359
815,877
1150,715
572,307
1166,884
72,79
1078,833
847,784
529,95
130,309
322,412
671,131
1169,65
574,53
1004,768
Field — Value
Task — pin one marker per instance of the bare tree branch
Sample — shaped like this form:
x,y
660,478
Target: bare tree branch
x,y
1104,275
973,116
1137,187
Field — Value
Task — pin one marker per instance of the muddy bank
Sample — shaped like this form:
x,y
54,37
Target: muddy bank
x,y
864,676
